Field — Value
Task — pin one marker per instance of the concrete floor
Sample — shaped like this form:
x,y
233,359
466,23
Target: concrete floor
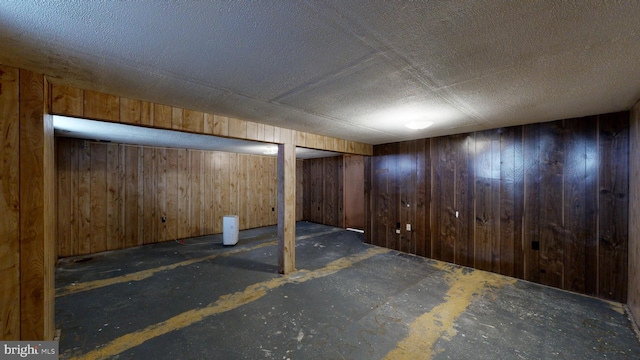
x,y
349,300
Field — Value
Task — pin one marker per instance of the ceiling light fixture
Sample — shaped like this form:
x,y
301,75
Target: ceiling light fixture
x,y
418,125
272,150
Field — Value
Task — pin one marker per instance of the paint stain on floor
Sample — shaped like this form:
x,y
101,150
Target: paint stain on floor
x,y
465,286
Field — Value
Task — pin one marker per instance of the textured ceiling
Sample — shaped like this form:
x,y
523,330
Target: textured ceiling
x,y
352,69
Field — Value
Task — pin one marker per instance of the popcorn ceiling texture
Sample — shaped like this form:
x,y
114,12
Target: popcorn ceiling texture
x,y
348,69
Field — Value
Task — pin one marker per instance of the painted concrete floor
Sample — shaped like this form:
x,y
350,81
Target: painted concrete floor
x,y
348,300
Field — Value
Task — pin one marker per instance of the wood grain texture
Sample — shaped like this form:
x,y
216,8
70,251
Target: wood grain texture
x,y
114,237
393,241
463,203
119,193
67,100
633,299
71,101
83,245
518,202
209,195
130,111
543,202
193,121
237,128
354,204
131,196
311,140
172,171
273,191
551,217
162,115
9,204
444,224
146,113
301,138
220,181
268,133
422,224
177,118
299,189
406,188
220,125
368,203
287,136
314,187
252,131
531,236
149,201
580,190
511,175
49,215
322,191
141,196
234,186
244,211
37,216
209,122
256,201
613,219
101,106
485,210
286,208
64,191
383,223
98,198
333,192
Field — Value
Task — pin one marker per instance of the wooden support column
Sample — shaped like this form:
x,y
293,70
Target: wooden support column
x,y
37,215
286,208
9,204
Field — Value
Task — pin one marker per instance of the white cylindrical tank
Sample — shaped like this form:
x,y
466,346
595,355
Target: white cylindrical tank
x,y
230,230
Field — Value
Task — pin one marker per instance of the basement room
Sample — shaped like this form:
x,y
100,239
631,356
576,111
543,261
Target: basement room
x,y
320,179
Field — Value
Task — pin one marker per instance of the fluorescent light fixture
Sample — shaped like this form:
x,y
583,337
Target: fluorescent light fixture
x,y
271,150
418,125
129,134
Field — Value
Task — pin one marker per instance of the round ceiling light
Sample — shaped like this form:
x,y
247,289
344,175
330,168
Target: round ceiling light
x,y
418,125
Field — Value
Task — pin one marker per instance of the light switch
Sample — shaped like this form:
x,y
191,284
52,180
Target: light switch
x,y
397,231
408,227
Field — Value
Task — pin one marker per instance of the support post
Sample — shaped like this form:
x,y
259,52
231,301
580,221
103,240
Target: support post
x,y
286,208
37,214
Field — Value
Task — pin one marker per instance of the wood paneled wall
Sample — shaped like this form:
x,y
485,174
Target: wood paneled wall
x,y
634,215
71,101
27,226
353,189
299,190
323,191
544,202
113,196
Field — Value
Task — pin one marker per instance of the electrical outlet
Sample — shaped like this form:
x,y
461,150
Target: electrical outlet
x,y
397,231
408,227
164,219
